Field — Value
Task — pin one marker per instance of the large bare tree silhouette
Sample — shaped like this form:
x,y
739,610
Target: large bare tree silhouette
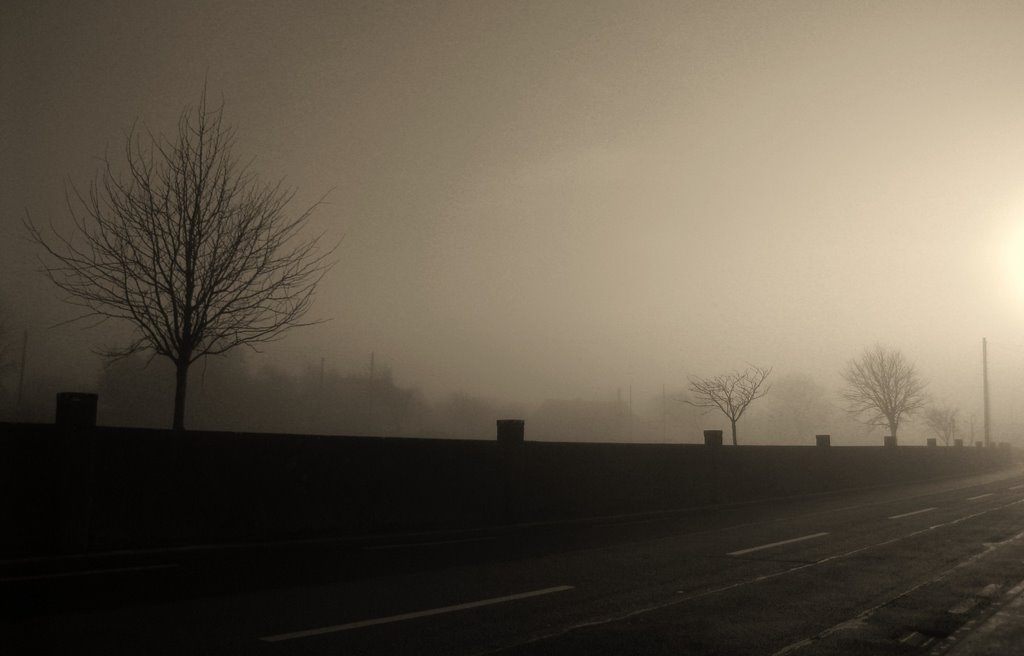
x,y
186,245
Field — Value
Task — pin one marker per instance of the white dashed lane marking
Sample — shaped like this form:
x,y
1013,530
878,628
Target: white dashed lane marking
x,y
913,512
776,544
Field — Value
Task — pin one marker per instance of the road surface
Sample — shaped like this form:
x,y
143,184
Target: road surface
x,y
899,570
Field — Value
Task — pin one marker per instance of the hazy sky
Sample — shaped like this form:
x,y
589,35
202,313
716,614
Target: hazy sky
x,y
558,199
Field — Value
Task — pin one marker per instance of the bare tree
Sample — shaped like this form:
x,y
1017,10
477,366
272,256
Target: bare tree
x,y
731,393
944,422
882,387
187,246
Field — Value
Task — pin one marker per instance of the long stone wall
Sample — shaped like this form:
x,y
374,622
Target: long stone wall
x,y
73,490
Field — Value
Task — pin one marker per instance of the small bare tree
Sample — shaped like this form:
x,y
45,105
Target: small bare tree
x,y
731,393
944,422
882,387
187,246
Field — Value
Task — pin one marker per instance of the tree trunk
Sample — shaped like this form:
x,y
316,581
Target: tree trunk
x,y
180,391
733,431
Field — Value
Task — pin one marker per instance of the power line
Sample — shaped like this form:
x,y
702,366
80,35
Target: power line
x,y
1016,348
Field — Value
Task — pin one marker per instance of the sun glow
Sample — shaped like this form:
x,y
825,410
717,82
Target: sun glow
x,y
1011,258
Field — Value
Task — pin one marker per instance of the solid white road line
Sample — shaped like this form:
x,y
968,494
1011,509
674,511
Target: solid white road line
x,y
1015,487
86,572
980,496
775,544
916,512
415,615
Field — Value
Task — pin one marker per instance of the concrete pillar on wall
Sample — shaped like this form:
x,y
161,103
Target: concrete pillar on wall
x,y
890,440
713,439
76,417
511,431
823,462
933,442
511,435
958,443
76,409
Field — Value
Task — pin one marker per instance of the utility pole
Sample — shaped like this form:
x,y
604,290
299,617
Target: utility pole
x,y
373,396
984,375
21,375
630,412
664,416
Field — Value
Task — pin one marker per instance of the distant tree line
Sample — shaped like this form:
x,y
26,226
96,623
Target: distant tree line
x,y
235,393
230,393
882,389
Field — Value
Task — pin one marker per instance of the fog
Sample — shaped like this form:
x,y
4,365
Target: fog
x,y
560,210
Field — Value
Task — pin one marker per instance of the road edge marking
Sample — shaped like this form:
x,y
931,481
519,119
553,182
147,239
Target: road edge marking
x,y
413,615
86,572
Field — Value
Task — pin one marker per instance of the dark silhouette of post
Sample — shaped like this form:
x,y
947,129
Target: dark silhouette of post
x,y
823,461
984,375
511,431
76,410
511,435
76,415
712,438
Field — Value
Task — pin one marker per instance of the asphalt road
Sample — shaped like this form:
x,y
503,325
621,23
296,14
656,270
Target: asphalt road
x,y
900,570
